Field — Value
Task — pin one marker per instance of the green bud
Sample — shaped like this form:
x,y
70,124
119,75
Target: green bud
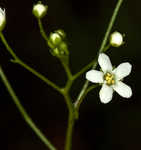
x,y
40,10
57,44
61,50
54,40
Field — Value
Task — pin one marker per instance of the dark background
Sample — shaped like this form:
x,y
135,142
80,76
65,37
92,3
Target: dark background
x,y
116,125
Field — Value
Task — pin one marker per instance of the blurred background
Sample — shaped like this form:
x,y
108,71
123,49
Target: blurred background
x,y
116,125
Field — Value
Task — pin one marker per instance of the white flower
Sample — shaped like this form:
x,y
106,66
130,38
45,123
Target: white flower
x,y
111,79
2,19
116,39
39,10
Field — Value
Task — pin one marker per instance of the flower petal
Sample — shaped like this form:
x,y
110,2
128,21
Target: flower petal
x,y
122,70
105,63
106,93
95,76
122,89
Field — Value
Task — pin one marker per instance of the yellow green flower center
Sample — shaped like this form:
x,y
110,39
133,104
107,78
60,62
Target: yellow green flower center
x,y
109,78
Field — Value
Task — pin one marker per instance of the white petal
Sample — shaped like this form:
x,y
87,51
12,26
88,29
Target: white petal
x,y
106,93
122,70
123,89
104,62
95,76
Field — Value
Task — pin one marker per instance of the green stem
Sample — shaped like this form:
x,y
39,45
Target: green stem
x,y
81,96
64,91
42,30
9,49
111,23
89,65
102,47
78,103
68,142
71,121
40,76
83,70
24,113
67,70
24,65
91,88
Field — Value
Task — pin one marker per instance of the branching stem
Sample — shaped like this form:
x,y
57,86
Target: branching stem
x,y
17,60
24,113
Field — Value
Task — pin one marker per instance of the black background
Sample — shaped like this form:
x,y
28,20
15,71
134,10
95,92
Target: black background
x,y
116,125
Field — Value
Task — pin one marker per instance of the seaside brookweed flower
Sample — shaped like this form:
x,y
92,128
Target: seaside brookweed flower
x,y
111,79
2,19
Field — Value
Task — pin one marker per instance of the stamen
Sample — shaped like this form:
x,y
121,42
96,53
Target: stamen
x,y
109,78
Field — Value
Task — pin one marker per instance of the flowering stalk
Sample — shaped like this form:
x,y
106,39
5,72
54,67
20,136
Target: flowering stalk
x,y
58,49
23,112
42,30
103,44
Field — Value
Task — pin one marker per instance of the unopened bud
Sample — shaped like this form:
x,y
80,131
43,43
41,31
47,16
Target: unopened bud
x,y
54,40
40,10
2,19
57,44
116,39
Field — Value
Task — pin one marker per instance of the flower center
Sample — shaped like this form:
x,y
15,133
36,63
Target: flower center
x,y
109,78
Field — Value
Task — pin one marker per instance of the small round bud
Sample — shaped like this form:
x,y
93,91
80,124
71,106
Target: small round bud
x,y
116,39
2,19
54,39
57,44
40,10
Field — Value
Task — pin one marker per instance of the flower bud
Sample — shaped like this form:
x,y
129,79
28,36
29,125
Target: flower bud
x,y
40,10
2,19
57,44
116,39
54,40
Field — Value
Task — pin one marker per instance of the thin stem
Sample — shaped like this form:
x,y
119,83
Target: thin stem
x,y
102,47
24,113
106,47
68,142
69,104
78,103
83,70
89,65
40,76
111,23
24,65
91,88
71,121
67,70
42,30
9,49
